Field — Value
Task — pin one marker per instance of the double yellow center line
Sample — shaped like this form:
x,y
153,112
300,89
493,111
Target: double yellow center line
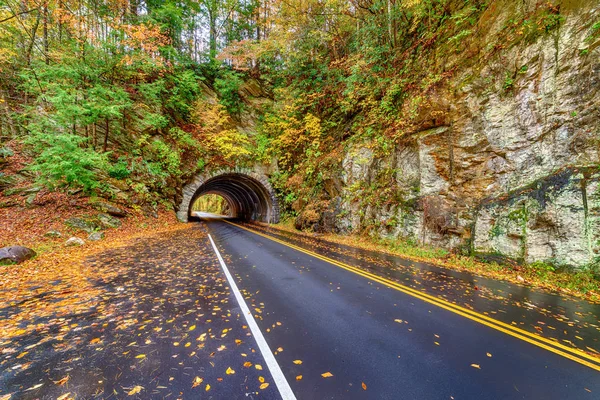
x,y
556,347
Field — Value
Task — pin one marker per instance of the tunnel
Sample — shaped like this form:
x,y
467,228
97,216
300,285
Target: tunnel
x,y
249,197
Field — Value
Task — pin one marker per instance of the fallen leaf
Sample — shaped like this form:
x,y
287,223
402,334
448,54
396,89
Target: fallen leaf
x,y
229,371
398,321
136,389
475,366
247,364
327,375
140,356
264,386
191,328
261,379
280,349
197,381
207,387
488,354
258,367
297,362
364,386
62,381
6,396
299,378
61,397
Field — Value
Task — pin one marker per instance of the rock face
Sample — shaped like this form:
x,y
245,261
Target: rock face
x,y
108,221
15,254
109,209
85,224
513,169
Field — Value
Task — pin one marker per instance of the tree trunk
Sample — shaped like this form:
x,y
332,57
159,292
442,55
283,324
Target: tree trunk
x,y
107,127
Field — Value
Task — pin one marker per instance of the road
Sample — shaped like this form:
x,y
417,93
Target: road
x,y
172,322
397,345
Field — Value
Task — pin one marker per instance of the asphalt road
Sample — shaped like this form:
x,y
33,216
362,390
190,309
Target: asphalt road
x,y
380,343
173,320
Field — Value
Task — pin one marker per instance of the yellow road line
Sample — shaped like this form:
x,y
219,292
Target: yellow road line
x,y
540,341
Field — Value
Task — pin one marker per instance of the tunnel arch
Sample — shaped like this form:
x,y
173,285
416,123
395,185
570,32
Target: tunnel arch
x,y
249,195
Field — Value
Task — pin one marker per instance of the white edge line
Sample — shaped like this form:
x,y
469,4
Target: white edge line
x,y
282,384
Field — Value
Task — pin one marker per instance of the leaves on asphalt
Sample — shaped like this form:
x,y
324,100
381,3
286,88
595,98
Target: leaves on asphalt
x,y
475,366
327,375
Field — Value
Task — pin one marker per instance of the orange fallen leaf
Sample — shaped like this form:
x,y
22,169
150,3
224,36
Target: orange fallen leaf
x,y
62,381
297,362
247,364
299,378
364,386
327,375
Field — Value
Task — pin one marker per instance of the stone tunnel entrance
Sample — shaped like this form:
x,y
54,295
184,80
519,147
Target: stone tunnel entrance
x,y
249,195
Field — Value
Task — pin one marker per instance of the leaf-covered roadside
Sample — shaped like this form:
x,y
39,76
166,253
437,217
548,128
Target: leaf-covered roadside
x,y
136,318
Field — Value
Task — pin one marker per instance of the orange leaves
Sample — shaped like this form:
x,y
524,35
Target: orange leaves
x,y
62,381
364,386
247,364
298,362
327,375
299,377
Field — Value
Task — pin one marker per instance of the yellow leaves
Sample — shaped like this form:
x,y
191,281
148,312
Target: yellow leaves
x,y
488,354
202,337
327,375
364,386
95,340
238,341
135,390
23,354
197,381
297,362
247,364
258,367
436,343
140,356
398,321
6,396
61,397
475,366
299,378
261,379
191,328
188,344
280,349
229,371
264,386
221,347
207,387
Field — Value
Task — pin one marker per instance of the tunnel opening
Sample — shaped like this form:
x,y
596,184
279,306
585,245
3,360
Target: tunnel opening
x,y
246,197
212,204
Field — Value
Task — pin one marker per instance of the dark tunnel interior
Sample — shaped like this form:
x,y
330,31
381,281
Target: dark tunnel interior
x,y
248,198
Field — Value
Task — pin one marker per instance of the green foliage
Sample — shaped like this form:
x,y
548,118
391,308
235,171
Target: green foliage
x,y
119,170
227,86
64,162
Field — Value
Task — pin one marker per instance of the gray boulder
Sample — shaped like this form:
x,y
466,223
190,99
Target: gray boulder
x,y
110,209
74,241
95,236
108,221
15,254
83,224
53,234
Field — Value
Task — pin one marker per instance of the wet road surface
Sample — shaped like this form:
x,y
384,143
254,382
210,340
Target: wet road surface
x,y
167,325
398,346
